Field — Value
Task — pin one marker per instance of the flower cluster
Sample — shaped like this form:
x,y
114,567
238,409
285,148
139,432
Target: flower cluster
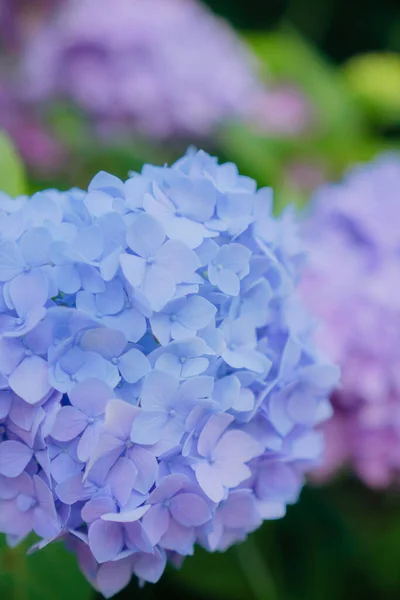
x,y
353,238
158,383
176,70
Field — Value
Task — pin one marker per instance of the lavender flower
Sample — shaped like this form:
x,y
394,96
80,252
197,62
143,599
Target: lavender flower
x,y
176,69
159,386
354,248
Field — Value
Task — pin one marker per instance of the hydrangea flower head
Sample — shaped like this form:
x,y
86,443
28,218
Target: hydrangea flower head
x,y
176,70
351,283
159,386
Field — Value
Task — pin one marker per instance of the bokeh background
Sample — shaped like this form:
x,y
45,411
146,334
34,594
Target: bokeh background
x,y
325,96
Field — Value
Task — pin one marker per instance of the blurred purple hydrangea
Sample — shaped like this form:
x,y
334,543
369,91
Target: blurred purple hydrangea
x,y
162,67
18,18
352,284
159,387
36,145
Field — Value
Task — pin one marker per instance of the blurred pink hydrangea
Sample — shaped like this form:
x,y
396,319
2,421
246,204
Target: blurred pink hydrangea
x,y
283,110
163,67
352,284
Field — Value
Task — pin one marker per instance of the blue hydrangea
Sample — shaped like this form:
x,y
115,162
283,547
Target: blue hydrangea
x,y
159,385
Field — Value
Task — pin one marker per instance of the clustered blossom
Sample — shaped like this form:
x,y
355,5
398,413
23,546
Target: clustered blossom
x,y
158,383
354,244
176,69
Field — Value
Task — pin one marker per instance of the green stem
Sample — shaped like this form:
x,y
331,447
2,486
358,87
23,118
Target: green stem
x,y
255,570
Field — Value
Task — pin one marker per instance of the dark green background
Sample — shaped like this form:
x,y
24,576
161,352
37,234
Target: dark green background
x,y
340,27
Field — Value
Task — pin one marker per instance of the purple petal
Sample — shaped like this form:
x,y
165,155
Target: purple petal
x,y
194,366
119,418
45,520
11,354
185,231
91,279
169,364
196,313
106,540
109,343
109,265
176,258
13,521
169,486
88,243
88,441
179,539
126,516
30,380
68,424
239,510
148,427
73,490
211,432
11,261
236,445
5,403
35,246
68,279
149,567
210,479
147,467
28,290
131,322
145,235
121,479
158,390
91,396
155,523
64,466
112,577
227,281
161,328
133,268
133,365
14,456
111,301
95,508
136,537
23,414
190,510
158,286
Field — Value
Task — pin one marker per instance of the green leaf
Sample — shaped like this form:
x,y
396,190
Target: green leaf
x,y
50,574
12,175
